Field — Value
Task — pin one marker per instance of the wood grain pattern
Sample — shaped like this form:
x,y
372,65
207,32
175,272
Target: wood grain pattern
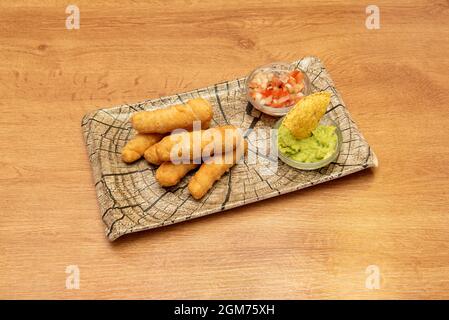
x,y
315,243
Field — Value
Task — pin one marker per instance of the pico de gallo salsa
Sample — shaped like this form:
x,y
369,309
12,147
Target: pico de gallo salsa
x,y
277,90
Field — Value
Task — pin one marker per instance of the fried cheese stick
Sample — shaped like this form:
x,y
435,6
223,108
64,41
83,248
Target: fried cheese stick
x,y
179,116
169,174
135,147
209,173
194,145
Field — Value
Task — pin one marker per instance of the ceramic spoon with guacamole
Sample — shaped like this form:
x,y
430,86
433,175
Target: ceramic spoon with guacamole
x,y
305,140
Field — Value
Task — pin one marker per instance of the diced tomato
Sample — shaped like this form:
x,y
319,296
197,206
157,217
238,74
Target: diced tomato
x,y
285,93
267,92
299,77
279,93
291,81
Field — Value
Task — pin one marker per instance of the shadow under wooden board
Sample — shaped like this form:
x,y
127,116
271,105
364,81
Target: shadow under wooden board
x,y
130,198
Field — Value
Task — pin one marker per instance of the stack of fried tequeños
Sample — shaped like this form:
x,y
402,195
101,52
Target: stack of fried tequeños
x,y
215,149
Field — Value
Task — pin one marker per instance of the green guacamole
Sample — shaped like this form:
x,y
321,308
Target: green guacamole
x,y
320,145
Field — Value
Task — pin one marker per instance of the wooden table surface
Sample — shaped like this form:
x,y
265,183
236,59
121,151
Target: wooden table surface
x,y
315,243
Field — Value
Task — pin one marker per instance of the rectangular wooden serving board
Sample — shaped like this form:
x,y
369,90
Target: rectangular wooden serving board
x,y
131,200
